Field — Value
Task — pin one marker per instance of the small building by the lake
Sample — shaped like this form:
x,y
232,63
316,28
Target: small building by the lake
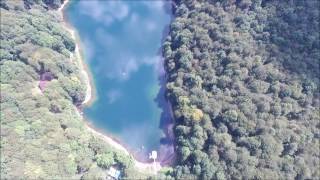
x,y
113,173
153,155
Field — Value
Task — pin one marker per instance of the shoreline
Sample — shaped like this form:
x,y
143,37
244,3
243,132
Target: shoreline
x,y
79,57
91,97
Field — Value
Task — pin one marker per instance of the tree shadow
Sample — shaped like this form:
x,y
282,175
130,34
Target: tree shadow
x,y
166,150
294,36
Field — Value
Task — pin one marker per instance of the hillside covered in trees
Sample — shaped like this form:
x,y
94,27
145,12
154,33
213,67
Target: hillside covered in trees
x,y
243,78
42,134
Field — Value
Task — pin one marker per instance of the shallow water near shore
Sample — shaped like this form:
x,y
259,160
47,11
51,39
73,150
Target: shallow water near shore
x,y
121,43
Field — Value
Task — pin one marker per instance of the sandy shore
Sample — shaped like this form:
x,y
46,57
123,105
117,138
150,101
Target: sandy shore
x,y
79,60
143,167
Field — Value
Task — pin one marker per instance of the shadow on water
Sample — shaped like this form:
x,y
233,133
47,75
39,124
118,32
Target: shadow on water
x,y
166,150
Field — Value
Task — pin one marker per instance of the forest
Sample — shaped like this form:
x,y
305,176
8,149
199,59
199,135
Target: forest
x,y
243,78
43,135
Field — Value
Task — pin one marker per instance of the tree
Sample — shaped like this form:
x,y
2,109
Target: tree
x,y
105,160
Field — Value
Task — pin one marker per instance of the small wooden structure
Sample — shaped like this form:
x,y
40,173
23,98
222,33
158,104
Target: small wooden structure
x,y
113,173
153,155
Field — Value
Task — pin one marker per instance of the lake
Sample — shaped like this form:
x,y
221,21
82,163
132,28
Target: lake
x,y
121,43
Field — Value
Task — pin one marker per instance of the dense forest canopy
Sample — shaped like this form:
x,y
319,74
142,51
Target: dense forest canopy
x,y
43,135
243,78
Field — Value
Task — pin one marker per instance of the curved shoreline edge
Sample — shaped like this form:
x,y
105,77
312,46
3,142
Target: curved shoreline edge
x,y
85,72
91,96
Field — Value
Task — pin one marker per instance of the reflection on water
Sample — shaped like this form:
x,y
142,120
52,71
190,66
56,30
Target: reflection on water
x,y
121,41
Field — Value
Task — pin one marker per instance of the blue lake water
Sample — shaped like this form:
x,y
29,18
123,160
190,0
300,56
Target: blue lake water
x,y
121,43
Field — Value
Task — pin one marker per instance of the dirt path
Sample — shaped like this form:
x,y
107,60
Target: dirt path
x,y
142,167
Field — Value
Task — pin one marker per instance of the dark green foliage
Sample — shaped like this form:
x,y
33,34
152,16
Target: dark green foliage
x,y
42,134
243,78
54,4
252,68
